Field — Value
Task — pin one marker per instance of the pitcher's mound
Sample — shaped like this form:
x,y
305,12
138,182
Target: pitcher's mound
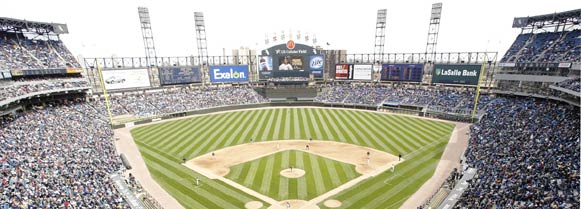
x,y
253,205
332,203
296,173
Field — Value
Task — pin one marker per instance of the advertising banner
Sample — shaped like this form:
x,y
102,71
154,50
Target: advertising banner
x,y
73,70
229,73
342,71
179,75
362,72
456,74
6,74
402,72
316,65
122,79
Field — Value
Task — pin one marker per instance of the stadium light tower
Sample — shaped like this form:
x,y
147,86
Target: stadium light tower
x,y
201,37
379,35
433,30
147,33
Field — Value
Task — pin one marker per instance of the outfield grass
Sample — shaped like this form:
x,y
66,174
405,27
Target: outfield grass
x,y
420,141
322,174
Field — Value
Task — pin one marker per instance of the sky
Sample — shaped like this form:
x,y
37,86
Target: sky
x,y
105,28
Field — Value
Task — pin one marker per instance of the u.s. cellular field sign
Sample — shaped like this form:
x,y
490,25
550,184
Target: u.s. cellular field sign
x,y
456,74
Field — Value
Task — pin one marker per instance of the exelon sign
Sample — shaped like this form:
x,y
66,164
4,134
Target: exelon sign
x,y
232,73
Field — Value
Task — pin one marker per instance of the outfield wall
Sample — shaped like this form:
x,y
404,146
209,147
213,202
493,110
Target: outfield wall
x,y
238,107
452,117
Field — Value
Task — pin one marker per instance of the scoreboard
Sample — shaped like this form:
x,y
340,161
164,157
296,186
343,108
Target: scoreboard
x,y
179,75
402,72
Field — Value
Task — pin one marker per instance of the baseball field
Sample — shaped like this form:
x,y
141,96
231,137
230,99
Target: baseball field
x,y
242,158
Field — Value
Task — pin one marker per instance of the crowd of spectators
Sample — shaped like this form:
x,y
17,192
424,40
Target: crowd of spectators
x,y
19,52
288,79
526,152
29,87
562,46
179,99
449,100
58,156
573,84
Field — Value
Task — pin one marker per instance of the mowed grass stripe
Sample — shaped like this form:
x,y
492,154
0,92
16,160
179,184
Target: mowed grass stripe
x,y
258,131
374,131
209,142
274,124
236,136
360,132
286,133
149,129
346,131
392,132
283,182
422,134
279,132
260,172
298,130
301,182
430,125
386,132
247,127
319,180
267,175
322,123
252,171
171,138
231,128
307,124
200,140
409,138
315,128
332,174
185,132
278,166
333,130
442,126
189,138
292,183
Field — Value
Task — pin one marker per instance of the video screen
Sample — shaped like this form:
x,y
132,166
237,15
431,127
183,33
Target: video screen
x,y
291,63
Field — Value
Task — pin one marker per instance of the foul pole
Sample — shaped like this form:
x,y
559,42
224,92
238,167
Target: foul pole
x,y
105,93
482,69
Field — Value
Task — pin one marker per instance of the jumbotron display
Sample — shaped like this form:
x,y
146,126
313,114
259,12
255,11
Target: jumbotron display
x,y
179,75
290,60
402,72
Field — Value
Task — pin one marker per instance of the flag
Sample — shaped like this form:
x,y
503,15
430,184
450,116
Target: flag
x,y
282,35
307,37
274,37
